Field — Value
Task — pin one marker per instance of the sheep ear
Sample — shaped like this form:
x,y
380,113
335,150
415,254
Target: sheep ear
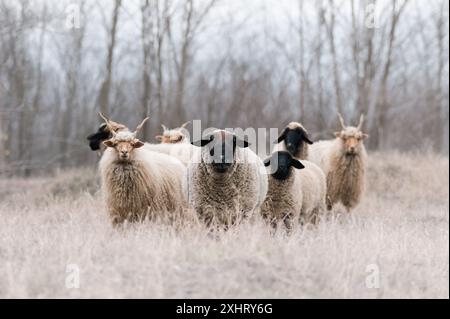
x,y
109,143
337,134
138,144
364,135
202,142
282,135
241,143
306,138
159,138
297,164
267,162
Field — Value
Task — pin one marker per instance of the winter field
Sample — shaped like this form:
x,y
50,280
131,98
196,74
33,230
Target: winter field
x,y
56,241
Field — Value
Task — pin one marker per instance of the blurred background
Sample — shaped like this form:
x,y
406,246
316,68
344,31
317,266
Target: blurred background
x,y
229,63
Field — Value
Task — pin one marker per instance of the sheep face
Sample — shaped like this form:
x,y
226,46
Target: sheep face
x,y
351,137
280,164
294,135
352,140
124,144
123,141
172,136
219,151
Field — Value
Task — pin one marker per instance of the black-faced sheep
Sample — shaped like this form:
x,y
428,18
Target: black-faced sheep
x,y
344,162
296,190
138,183
226,181
295,139
284,198
103,133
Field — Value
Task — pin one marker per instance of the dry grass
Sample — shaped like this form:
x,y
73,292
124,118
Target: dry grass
x,y
402,226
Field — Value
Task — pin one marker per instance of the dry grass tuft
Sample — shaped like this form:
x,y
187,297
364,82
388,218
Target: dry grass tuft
x,y
402,227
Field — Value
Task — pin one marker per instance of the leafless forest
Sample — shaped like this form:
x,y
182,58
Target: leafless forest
x,y
229,63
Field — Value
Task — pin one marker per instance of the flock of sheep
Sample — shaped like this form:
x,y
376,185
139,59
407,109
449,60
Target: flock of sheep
x,y
223,181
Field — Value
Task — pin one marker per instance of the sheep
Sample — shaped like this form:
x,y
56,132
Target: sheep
x,y
181,151
226,182
344,162
296,190
138,183
296,140
173,136
284,198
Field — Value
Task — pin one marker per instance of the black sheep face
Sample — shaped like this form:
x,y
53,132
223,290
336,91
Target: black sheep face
x,y
294,139
98,137
281,163
103,134
220,150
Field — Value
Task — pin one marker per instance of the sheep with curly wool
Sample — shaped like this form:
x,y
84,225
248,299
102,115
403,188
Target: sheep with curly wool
x,y
344,161
137,183
173,136
296,190
283,202
226,181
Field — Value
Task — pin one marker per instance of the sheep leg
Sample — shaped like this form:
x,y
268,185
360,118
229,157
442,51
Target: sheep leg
x,y
288,221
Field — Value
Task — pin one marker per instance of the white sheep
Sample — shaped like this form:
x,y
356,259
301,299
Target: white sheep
x,y
344,162
173,136
284,198
226,181
296,190
181,151
138,183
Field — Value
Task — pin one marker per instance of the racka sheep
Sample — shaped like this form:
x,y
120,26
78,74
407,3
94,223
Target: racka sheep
x,y
180,151
173,136
138,183
226,181
344,162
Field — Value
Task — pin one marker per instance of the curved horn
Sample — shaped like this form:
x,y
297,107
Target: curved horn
x,y
108,123
361,121
341,119
185,124
139,127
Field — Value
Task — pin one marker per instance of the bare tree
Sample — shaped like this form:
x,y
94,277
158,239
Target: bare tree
x,y
192,18
103,97
330,27
383,99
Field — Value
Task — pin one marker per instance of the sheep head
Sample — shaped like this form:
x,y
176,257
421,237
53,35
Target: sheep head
x,y
352,137
295,135
219,150
172,136
124,142
280,164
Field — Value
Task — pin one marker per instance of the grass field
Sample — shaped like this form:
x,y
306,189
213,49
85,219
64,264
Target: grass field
x,y
54,231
